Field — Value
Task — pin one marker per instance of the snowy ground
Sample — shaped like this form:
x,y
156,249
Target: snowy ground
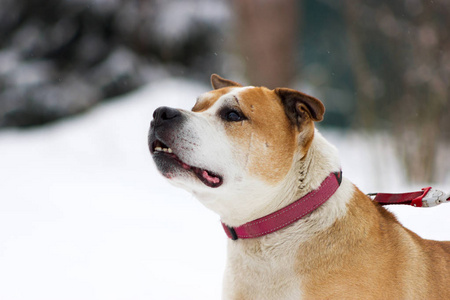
x,y
85,215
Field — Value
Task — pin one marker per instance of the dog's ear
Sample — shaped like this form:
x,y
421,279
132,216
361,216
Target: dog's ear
x,y
218,82
300,107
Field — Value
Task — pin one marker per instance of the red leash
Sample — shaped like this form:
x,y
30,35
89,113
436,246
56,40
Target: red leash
x,y
427,197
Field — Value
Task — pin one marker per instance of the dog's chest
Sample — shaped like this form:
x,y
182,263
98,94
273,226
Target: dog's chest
x,y
259,273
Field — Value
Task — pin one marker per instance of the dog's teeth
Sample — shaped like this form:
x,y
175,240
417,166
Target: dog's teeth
x,y
167,150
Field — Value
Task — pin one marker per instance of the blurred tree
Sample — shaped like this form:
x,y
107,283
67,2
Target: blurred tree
x,y
267,35
59,58
401,59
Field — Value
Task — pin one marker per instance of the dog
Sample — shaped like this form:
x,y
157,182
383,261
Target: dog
x,y
254,156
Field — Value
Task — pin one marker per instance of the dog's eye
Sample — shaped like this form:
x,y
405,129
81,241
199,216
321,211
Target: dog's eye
x,y
232,116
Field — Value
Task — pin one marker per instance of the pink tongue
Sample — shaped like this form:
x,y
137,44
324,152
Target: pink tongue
x,y
210,178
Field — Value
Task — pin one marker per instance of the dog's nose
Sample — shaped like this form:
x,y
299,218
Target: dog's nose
x,y
164,113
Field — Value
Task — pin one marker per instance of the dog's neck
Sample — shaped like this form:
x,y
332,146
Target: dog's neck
x,y
309,171
279,251
300,180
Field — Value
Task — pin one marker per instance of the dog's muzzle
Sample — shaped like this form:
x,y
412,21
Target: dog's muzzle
x,y
167,146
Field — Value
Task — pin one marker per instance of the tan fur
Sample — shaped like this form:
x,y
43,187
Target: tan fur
x,y
368,255
208,99
266,133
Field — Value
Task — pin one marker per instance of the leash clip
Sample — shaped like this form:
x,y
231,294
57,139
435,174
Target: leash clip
x,y
433,197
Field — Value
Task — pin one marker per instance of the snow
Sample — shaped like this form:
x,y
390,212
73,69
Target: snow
x,y
85,215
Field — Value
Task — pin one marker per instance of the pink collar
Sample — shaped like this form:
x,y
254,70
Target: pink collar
x,y
289,214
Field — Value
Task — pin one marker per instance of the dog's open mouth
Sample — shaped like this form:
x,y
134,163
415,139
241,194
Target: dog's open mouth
x,y
207,177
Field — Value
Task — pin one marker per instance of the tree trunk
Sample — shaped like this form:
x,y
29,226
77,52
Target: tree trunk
x,y
267,35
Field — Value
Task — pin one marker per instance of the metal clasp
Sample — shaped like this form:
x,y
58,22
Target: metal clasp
x,y
435,197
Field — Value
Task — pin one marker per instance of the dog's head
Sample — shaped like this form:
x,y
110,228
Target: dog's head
x,y
237,142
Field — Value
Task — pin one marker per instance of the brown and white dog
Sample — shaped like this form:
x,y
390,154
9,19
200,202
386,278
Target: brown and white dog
x,y
246,152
